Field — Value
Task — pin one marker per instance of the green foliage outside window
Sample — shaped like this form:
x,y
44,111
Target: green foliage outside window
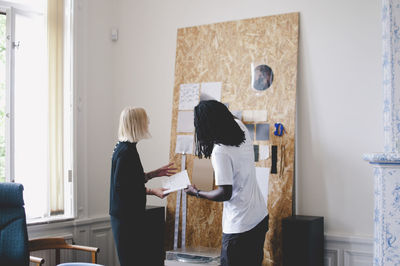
x,y
2,96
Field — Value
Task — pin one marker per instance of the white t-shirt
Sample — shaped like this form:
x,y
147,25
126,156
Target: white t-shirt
x,y
235,166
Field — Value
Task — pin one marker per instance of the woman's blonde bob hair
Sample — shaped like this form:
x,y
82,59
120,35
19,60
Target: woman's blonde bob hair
x,y
133,125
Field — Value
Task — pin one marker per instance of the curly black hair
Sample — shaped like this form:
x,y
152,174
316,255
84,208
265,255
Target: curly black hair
x,y
215,124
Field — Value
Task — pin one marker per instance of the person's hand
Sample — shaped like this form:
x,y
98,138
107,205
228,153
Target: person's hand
x,y
191,190
159,192
166,170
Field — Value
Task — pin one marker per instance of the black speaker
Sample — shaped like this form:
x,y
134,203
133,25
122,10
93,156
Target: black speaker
x,y
303,240
154,231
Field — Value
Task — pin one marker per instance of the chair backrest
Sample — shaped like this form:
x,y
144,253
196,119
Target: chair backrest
x,y
78,264
13,232
59,243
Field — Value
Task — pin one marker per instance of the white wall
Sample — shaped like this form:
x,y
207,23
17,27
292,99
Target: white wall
x,y
95,94
339,99
339,113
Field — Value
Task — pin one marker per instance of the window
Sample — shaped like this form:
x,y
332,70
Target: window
x,y
2,96
36,104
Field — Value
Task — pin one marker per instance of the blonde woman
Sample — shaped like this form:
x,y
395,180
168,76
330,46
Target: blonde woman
x,y
127,187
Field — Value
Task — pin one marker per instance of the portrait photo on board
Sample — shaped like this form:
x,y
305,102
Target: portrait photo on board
x,y
262,77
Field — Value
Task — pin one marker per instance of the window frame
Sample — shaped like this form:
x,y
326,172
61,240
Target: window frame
x,y
70,191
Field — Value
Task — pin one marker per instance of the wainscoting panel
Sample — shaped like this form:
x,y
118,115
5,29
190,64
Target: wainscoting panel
x,y
96,232
348,251
82,236
88,232
357,258
102,238
331,257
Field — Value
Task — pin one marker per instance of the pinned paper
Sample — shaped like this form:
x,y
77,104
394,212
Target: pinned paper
x,y
255,115
256,150
211,91
264,152
260,115
247,116
188,96
184,144
237,114
262,132
250,128
185,121
274,159
203,174
262,175
176,182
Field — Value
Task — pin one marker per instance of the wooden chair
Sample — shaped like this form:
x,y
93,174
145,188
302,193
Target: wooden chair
x,y
57,243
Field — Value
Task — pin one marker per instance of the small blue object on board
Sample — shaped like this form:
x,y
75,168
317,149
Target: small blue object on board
x,y
279,129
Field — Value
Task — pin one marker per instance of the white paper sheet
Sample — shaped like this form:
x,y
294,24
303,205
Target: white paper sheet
x,y
185,121
255,115
264,152
238,114
184,144
211,91
260,115
262,174
188,96
176,182
247,116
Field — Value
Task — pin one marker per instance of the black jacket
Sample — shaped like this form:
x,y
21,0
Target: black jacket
x,y
127,190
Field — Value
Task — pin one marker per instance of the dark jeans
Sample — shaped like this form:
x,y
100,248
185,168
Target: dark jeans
x,y
245,248
129,240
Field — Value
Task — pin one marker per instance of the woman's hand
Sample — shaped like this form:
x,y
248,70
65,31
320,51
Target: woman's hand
x,y
191,190
165,170
159,192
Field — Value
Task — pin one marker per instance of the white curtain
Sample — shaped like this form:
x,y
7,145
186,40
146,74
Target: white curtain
x,y
55,27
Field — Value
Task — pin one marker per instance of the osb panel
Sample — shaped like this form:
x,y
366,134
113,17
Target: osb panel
x,y
224,52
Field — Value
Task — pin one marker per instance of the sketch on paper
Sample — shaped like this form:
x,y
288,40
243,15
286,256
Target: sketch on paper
x,y
188,96
176,182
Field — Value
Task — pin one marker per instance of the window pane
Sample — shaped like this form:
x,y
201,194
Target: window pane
x,y
2,95
37,5
30,113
